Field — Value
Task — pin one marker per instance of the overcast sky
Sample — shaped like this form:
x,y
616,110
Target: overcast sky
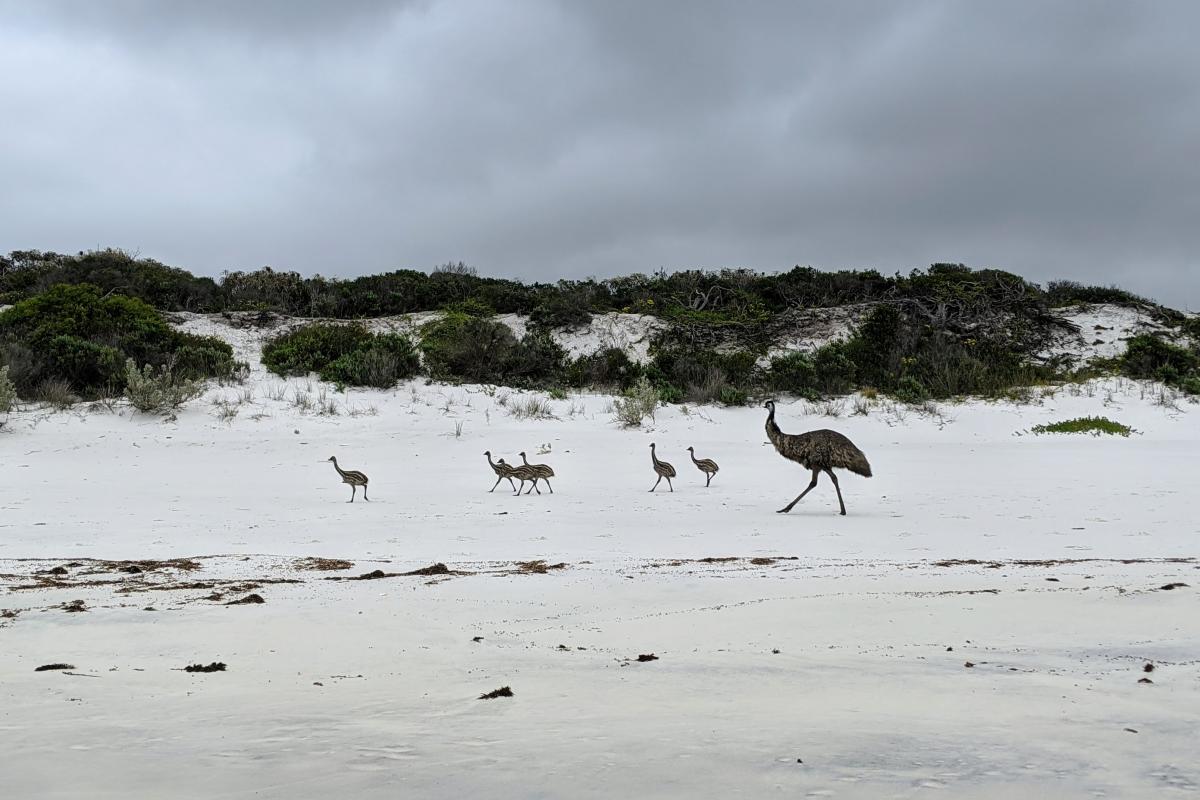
x,y
543,139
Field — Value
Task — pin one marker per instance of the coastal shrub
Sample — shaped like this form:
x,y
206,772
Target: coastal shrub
x,y
81,337
793,373
348,355
610,368
158,391
567,308
636,403
1149,356
1069,293
704,376
8,392
459,347
1093,425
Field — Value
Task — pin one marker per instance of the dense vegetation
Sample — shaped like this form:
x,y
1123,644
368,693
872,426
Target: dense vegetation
x,y
348,355
76,339
940,332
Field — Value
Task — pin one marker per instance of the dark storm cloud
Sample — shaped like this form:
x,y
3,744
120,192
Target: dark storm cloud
x,y
550,139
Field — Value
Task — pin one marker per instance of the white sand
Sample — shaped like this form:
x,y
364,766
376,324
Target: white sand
x,y
863,690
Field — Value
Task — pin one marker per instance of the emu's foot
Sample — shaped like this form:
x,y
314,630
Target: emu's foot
x,y
843,513
783,510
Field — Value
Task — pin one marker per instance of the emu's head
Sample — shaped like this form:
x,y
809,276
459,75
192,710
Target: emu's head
x,y
769,405
690,450
332,458
652,445
487,453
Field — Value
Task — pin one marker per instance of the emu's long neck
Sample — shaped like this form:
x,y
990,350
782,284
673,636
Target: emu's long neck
x,y
692,453
490,462
524,460
653,457
341,471
773,431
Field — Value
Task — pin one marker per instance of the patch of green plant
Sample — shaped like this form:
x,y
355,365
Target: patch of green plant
x,y
1092,425
698,375
1070,293
348,355
609,369
637,403
471,307
1152,357
8,392
158,391
473,350
81,336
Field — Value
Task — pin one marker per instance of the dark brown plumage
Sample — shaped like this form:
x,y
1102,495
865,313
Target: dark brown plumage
x,y
819,451
352,477
502,471
663,469
705,465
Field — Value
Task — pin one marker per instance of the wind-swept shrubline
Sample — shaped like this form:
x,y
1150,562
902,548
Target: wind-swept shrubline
x,y
662,468
352,477
819,451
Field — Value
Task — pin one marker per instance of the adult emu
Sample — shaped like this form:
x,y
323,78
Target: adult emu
x,y
819,451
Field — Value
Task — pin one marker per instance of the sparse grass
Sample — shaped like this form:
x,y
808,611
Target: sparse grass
x,y
1090,425
56,393
8,392
458,429
532,407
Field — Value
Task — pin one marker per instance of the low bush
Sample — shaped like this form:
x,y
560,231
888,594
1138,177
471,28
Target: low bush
x,y
8,392
1092,425
78,336
704,376
459,347
638,402
348,355
158,391
1069,293
1149,356
607,369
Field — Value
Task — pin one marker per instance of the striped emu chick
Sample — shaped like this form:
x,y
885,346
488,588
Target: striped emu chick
x,y
663,469
543,471
819,451
524,474
352,477
705,465
502,471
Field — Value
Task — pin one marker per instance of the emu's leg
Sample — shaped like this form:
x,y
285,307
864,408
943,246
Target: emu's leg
x,y
833,478
365,493
519,488
811,486
670,484
510,483
497,483
533,486
707,479
548,486
353,489
656,483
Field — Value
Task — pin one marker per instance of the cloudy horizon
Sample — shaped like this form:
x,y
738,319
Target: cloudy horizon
x,y
540,139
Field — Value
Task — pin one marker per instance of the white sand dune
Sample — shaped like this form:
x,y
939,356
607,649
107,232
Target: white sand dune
x,y
368,688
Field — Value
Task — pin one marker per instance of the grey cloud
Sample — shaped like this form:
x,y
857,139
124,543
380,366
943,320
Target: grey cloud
x,y
547,139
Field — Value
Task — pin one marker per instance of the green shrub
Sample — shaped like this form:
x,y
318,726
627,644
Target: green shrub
x,y
704,376
636,403
1092,425
160,391
77,335
311,348
472,307
474,350
8,392
1149,356
348,355
56,393
610,368
793,373
1068,293
562,309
